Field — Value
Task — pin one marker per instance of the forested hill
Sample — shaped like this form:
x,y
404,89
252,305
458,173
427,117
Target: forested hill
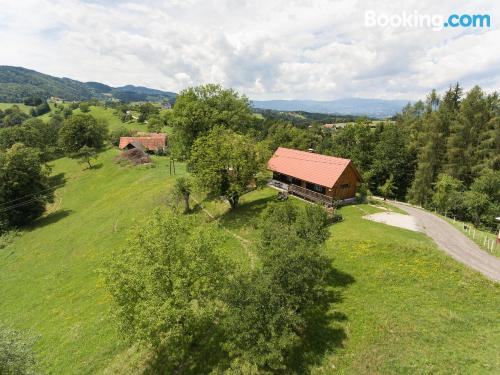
x,y
17,84
378,108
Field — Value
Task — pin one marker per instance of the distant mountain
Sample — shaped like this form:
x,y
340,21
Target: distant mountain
x,y
17,84
378,108
139,93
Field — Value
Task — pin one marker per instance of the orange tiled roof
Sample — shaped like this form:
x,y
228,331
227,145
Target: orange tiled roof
x,y
153,141
316,168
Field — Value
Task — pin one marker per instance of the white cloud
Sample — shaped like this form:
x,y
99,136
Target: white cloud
x,y
263,48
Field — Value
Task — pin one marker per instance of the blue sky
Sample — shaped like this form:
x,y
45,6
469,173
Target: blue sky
x,y
272,49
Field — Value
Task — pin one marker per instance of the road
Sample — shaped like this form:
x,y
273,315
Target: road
x,y
454,243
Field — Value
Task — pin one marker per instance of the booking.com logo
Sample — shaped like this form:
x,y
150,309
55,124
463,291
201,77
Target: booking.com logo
x,y
434,21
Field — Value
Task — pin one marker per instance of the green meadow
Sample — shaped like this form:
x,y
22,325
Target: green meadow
x,y
23,107
400,306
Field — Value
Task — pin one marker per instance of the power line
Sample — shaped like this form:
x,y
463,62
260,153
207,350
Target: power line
x,y
35,195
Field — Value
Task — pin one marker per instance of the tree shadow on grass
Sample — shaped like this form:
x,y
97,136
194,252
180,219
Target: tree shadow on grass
x,y
324,332
51,218
202,358
57,180
246,214
94,167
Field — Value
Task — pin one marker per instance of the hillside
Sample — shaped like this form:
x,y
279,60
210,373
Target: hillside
x,y
377,108
16,84
393,288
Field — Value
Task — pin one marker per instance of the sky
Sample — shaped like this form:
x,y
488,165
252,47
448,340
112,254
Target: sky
x,y
265,49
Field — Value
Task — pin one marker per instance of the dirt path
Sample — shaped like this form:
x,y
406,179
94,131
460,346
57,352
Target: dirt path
x,y
242,240
454,243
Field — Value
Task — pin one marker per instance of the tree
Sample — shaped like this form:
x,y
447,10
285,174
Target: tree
x,y
67,112
116,134
224,163
199,109
36,134
156,123
33,101
387,189
24,186
146,110
356,142
269,308
487,185
82,130
476,204
392,156
40,109
16,353
166,285
84,107
13,116
310,224
447,193
463,152
182,190
85,155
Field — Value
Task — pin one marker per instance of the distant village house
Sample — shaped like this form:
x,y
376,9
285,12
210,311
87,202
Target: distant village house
x,y
316,177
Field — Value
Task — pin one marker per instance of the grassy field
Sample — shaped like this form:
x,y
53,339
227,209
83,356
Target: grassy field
x,y
22,107
400,305
99,112
112,119
48,277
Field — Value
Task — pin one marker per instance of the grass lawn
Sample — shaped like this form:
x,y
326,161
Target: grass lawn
x,y
402,305
23,107
399,306
113,120
48,275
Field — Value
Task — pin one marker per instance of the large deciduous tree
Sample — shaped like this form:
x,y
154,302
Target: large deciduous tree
x,y
447,193
24,186
268,309
167,283
198,109
82,130
224,163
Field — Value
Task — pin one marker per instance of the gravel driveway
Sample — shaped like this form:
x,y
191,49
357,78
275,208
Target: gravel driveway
x,y
395,219
453,242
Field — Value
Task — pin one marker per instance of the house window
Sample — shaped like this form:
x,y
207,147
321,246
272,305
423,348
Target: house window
x,y
344,186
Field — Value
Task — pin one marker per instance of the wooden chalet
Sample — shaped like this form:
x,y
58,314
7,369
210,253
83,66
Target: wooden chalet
x,y
315,177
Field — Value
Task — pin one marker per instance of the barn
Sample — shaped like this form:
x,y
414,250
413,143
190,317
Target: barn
x,y
152,142
316,177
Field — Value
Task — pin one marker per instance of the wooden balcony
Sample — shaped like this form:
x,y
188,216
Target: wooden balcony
x,y
310,195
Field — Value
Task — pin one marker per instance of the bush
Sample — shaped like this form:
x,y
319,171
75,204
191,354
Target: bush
x,y
16,353
269,308
33,101
84,107
40,110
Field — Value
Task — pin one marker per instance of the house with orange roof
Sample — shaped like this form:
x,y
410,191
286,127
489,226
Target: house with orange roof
x,y
316,177
152,142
